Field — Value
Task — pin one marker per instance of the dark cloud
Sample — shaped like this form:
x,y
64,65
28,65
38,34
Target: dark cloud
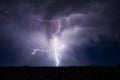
x,y
88,21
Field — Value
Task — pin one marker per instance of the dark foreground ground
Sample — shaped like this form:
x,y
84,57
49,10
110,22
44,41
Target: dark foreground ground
x,y
60,73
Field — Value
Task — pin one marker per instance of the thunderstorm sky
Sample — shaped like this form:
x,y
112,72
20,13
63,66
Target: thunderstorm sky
x,y
89,30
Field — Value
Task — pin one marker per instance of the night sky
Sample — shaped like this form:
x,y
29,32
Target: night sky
x,y
89,29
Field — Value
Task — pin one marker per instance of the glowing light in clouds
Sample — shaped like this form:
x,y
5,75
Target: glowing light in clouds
x,y
56,44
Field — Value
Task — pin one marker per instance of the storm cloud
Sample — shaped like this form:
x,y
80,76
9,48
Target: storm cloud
x,y
85,25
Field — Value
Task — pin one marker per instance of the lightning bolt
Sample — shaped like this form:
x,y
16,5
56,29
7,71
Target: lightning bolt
x,y
57,45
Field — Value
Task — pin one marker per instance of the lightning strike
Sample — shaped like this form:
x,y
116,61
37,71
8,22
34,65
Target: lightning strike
x,y
57,45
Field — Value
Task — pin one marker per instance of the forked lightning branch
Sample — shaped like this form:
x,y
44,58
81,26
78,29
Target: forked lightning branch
x,y
57,45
